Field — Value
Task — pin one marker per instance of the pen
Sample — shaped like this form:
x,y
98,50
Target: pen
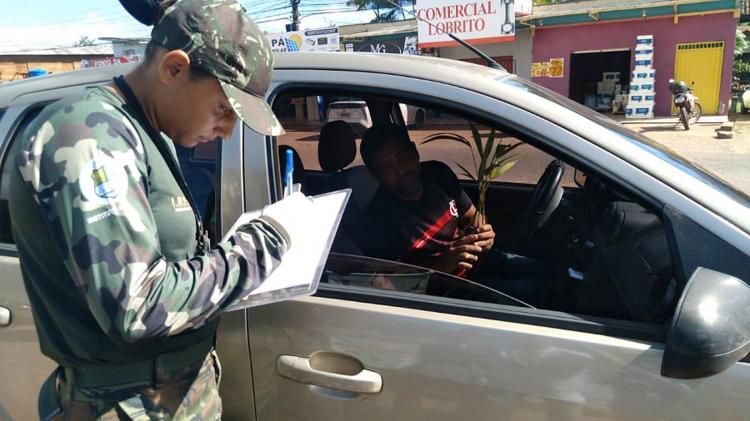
x,y
289,171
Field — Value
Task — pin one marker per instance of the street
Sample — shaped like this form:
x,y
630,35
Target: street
x,y
727,158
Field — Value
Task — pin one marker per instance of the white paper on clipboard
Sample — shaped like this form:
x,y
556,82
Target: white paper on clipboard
x,y
302,265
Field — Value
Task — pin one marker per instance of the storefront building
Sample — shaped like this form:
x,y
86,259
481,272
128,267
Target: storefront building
x,y
22,64
587,50
514,56
400,38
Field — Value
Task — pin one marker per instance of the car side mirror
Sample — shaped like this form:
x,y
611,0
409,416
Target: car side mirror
x,y
710,329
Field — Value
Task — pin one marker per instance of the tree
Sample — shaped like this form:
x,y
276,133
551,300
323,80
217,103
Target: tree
x,y
740,43
84,41
384,10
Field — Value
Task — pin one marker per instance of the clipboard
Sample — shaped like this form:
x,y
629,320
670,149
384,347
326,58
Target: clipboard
x,y
302,265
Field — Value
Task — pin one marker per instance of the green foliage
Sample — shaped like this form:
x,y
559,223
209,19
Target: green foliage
x,y
84,41
741,70
384,10
491,160
740,42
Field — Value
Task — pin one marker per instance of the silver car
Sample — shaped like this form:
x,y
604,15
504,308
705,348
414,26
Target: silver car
x,y
650,321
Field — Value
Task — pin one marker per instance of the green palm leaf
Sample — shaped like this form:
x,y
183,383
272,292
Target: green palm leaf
x,y
445,136
466,172
497,171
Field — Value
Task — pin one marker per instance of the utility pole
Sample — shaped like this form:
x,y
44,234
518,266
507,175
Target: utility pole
x,y
295,15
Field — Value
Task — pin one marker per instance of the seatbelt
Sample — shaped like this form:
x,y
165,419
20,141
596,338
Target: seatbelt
x,y
134,106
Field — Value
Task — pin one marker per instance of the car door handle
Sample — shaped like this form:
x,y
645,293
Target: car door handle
x,y
4,317
330,370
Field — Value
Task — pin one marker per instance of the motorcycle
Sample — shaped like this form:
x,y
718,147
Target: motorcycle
x,y
687,104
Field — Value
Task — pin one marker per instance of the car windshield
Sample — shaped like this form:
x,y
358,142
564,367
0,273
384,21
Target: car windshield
x,y
691,167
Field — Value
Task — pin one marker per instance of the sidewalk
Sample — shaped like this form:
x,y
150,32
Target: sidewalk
x,y
728,158
706,119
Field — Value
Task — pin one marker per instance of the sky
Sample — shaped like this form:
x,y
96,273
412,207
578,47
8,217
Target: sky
x,y
31,24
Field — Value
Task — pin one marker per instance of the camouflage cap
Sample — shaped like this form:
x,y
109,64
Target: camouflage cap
x,y
222,41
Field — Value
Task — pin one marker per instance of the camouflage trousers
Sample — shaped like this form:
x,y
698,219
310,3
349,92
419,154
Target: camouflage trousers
x,y
190,395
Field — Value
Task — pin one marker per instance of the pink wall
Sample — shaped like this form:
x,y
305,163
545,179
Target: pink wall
x,y
555,42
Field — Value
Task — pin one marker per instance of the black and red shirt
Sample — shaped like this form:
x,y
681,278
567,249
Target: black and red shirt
x,y
412,231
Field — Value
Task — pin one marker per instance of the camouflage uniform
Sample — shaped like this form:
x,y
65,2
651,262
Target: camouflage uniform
x,y
107,240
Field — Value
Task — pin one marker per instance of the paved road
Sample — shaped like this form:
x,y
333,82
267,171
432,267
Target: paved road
x,y
726,158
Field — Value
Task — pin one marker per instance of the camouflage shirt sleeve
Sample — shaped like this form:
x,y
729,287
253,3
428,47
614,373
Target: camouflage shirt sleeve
x,y
86,168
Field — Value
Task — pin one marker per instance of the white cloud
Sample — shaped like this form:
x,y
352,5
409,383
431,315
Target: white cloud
x,y
323,20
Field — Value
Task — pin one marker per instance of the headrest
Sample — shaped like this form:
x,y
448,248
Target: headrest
x,y
336,146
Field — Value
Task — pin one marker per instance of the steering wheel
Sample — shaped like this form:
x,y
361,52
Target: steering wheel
x,y
544,200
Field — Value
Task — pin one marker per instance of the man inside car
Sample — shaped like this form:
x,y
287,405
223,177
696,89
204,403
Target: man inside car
x,y
421,215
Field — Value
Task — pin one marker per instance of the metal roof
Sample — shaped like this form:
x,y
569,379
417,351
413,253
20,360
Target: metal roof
x,y
126,39
91,50
595,6
372,30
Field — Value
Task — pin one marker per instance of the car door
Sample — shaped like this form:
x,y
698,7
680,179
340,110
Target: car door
x,y
353,352
23,368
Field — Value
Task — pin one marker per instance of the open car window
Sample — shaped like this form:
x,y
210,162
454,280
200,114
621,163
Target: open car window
x,y
585,249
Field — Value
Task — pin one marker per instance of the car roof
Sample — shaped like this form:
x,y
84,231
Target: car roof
x,y
496,83
437,69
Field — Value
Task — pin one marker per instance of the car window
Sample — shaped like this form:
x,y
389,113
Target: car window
x,y
303,117
440,136
8,165
430,129
365,272
597,253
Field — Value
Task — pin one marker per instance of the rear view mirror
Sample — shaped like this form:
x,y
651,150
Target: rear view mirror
x,y
711,326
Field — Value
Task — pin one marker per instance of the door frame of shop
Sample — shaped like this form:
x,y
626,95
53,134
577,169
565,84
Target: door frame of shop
x,y
572,79
709,107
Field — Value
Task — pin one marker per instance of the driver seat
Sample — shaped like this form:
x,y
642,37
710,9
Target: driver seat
x,y
337,149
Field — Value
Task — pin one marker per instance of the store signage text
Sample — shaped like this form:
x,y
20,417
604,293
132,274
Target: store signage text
x,y
469,17
109,61
326,39
406,45
476,22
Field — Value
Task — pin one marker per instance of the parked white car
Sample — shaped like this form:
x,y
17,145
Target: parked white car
x,y
356,113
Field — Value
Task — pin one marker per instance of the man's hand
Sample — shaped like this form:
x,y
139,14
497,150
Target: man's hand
x,y
460,254
485,237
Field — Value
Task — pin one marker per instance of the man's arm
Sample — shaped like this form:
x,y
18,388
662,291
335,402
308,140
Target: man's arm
x,y
90,182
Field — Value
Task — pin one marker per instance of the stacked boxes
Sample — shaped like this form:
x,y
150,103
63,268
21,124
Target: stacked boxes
x,y
641,99
607,89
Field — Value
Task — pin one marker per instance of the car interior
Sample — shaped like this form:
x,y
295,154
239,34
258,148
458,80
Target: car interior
x,y
612,250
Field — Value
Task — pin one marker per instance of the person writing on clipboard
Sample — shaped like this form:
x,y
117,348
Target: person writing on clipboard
x,y
125,291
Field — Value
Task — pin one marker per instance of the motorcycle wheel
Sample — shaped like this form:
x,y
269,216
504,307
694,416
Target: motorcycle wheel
x,y
684,118
696,113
